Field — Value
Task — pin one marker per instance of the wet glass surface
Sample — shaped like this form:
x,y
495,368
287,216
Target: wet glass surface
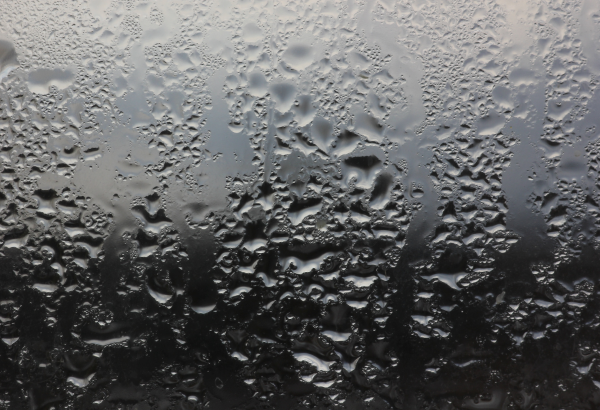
x,y
250,204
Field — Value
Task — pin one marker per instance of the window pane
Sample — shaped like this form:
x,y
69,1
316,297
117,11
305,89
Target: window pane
x,y
250,204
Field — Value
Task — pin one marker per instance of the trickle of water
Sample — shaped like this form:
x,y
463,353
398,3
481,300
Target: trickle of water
x,y
8,57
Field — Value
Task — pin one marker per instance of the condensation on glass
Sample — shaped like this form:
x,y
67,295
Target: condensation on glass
x,y
246,204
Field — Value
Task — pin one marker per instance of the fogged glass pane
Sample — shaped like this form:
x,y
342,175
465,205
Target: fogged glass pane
x,y
250,204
